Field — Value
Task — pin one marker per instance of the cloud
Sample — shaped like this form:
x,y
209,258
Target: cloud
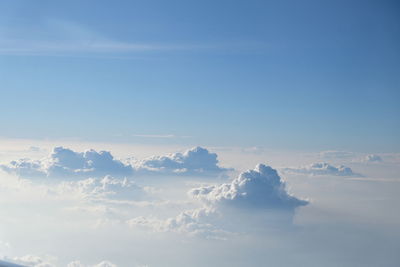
x,y
24,168
372,158
323,168
255,197
100,189
332,154
197,161
192,223
100,264
64,162
261,188
32,261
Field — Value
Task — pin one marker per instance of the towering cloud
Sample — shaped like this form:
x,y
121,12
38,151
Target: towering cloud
x,y
256,198
197,160
261,188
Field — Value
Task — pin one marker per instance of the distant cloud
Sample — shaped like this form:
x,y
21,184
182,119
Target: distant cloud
x,y
155,135
253,150
64,162
332,154
372,158
197,160
323,168
191,223
100,264
261,188
107,188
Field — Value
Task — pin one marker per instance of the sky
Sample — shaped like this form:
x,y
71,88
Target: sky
x,y
199,133
284,74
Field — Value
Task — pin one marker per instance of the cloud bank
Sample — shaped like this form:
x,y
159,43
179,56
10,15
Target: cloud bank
x,y
64,163
323,168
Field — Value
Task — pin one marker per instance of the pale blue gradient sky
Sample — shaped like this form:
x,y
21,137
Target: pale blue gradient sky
x,y
284,74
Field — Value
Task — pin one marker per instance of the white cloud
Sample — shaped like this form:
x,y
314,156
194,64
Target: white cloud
x,y
66,163
372,158
257,197
63,162
197,160
259,188
323,168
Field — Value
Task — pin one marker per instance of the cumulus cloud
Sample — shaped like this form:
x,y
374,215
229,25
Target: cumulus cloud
x,y
323,168
255,197
197,160
372,158
261,188
64,162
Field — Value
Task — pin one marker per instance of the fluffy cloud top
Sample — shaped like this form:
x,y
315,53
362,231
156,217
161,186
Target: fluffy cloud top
x,y
64,162
255,197
197,160
258,188
323,168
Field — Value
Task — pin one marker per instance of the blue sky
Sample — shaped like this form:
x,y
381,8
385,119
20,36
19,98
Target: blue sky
x,y
307,75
